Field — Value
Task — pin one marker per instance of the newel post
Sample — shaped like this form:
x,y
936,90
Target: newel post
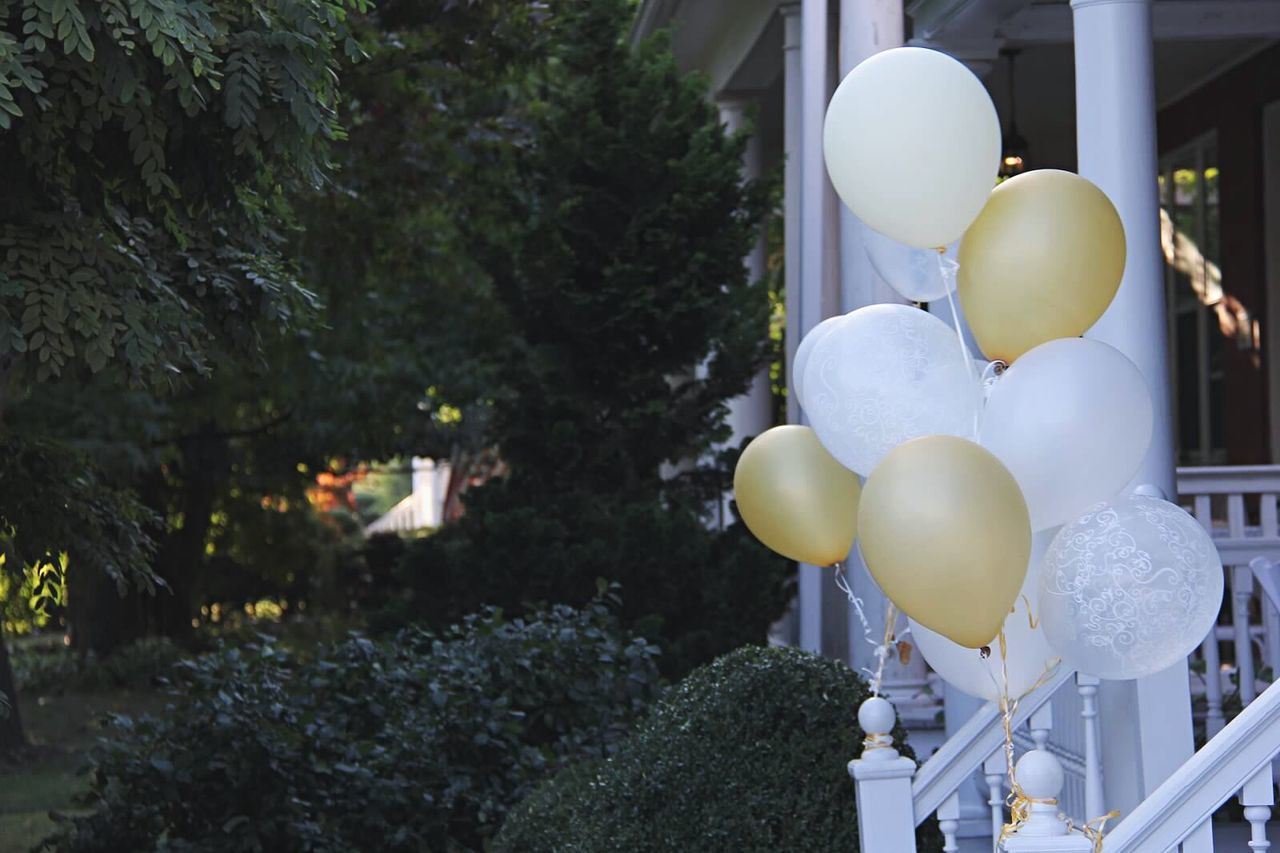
x,y
1040,774
882,781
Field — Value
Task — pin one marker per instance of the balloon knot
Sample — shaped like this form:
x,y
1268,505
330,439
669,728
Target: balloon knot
x,y
985,651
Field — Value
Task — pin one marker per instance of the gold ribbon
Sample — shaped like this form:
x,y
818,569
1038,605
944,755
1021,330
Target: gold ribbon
x,y
875,740
1020,809
1093,829
1018,802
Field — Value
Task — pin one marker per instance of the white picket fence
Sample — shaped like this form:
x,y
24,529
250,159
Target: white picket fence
x,y
1238,505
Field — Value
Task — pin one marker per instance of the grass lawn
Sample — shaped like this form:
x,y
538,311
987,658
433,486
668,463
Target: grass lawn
x,y
61,729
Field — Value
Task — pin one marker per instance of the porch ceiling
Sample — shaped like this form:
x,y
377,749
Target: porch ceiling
x,y
975,30
721,38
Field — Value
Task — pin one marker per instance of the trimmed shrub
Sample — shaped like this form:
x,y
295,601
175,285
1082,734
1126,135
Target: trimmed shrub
x,y
696,593
55,669
422,743
746,754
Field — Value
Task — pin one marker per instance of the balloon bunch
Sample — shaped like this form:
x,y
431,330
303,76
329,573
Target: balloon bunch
x,y
987,497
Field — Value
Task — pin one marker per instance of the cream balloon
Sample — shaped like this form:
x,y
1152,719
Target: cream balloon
x,y
1042,261
914,273
1029,655
912,145
1130,588
886,374
795,498
944,532
1072,421
801,360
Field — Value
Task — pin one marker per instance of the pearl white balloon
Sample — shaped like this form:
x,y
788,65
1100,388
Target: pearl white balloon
x,y
912,145
914,273
1029,654
1129,588
887,374
1071,419
801,359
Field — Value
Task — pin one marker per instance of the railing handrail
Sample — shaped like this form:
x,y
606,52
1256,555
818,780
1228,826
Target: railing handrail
x,y
1205,781
387,521
966,750
1227,479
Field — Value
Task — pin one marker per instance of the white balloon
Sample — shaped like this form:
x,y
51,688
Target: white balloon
x,y
1071,419
801,359
887,374
1129,588
1029,654
914,273
912,145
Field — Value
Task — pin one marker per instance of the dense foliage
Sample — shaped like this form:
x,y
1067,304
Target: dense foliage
x,y
55,669
745,754
149,150
151,138
421,743
386,321
629,321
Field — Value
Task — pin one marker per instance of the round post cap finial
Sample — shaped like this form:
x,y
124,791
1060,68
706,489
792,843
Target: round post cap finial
x,y
876,716
1150,490
1040,774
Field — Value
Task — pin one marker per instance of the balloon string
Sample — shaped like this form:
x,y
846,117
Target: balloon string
x,y
883,649
947,268
1018,801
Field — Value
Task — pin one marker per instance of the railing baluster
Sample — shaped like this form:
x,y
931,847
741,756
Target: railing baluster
x,y
1040,726
949,822
1267,515
1235,516
1087,687
1214,718
1270,634
993,770
1241,595
1257,797
1204,511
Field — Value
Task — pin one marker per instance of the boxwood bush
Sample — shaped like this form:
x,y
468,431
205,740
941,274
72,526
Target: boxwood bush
x,y
745,754
422,743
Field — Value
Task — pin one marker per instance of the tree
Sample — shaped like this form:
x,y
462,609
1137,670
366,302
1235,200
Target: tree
x,y
394,308
150,148
629,321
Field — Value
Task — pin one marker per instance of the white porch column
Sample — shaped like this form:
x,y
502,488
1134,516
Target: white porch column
x,y
792,95
806,609
1146,724
866,28
750,413
812,273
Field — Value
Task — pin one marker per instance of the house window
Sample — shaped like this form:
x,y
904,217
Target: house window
x,y
1200,323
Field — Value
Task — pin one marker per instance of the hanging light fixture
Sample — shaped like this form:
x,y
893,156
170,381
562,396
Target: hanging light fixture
x,y
1013,155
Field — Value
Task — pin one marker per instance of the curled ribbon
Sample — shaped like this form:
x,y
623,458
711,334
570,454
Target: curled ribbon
x,y
1018,802
875,740
1093,829
883,650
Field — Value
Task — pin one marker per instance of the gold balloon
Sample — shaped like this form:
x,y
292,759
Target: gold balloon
x,y
1043,260
795,497
945,532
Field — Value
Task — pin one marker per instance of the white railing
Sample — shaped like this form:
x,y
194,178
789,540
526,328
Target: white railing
x,y
424,507
1237,759
404,517
1238,505
970,747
